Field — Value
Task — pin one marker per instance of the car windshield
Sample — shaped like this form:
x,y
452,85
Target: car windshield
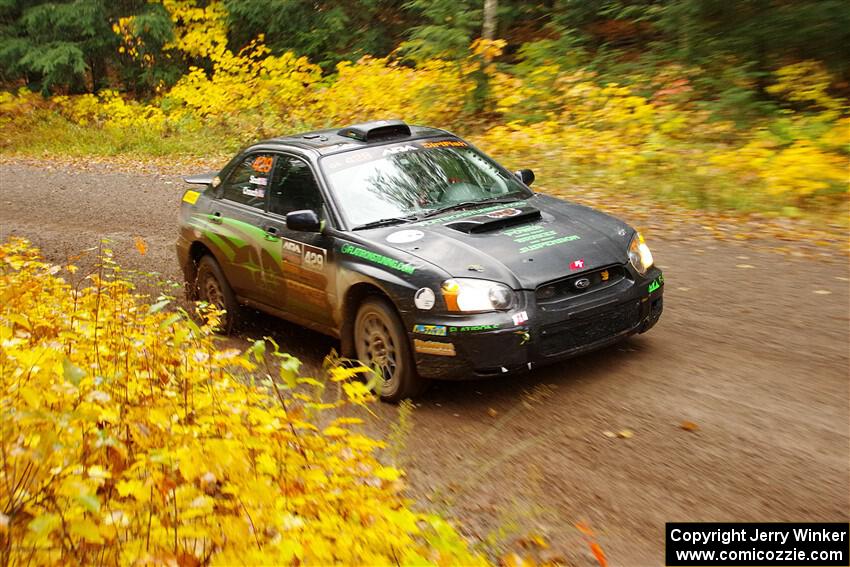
x,y
404,181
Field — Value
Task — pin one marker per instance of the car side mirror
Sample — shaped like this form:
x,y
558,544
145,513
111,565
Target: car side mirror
x,y
525,175
303,221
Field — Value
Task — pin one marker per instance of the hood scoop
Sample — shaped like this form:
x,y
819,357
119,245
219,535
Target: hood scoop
x,y
495,220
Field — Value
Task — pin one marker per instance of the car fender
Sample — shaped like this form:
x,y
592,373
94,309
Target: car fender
x,y
394,274
199,231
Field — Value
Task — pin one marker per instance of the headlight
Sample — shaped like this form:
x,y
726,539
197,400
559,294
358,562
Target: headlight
x,y
462,294
639,254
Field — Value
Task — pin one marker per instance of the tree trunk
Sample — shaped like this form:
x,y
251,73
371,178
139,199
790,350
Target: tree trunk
x,y
489,28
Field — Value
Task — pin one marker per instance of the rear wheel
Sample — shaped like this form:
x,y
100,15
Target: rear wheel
x,y
213,288
381,344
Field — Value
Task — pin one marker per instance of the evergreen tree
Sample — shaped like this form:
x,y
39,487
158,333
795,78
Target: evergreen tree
x,y
326,31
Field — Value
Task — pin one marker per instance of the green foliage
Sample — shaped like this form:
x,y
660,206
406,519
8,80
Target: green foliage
x,y
450,27
149,32
57,44
327,32
763,34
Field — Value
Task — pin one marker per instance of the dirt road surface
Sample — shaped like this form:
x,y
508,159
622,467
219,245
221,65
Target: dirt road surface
x,y
752,348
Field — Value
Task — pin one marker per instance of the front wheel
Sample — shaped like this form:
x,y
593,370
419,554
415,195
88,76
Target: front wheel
x,y
213,288
382,345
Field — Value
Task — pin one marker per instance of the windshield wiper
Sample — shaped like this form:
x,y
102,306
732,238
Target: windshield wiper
x,y
467,204
385,222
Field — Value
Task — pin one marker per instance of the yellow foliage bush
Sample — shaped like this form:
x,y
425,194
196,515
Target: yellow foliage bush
x,y
807,82
564,122
200,30
128,436
435,92
109,108
250,81
796,171
19,110
609,134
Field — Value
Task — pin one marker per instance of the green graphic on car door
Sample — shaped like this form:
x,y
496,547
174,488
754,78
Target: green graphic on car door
x,y
245,246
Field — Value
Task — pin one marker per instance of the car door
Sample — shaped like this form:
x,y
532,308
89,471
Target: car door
x,y
237,220
305,263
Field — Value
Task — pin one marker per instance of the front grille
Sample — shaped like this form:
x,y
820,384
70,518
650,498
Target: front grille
x,y
564,288
569,335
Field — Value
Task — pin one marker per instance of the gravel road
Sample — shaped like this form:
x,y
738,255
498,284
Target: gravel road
x,y
752,348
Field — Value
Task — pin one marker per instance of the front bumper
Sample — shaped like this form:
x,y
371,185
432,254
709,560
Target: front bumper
x,y
492,344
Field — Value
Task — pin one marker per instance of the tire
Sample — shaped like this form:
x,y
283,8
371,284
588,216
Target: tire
x,y
380,341
212,287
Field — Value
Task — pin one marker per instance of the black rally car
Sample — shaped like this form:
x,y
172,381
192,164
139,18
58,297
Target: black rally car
x,y
426,258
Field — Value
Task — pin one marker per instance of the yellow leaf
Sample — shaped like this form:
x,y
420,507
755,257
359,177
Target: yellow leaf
x,y
266,465
98,472
388,473
334,431
135,488
85,529
191,466
140,245
43,524
347,421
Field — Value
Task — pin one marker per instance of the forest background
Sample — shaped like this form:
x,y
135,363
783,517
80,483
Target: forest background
x,y
727,106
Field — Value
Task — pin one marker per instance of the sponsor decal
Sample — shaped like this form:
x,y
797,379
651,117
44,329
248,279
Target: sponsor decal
x,y
445,144
314,258
251,192
537,236
577,264
436,330
262,164
656,284
520,318
399,150
604,275
524,337
464,214
191,197
547,243
434,347
473,328
504,213
424,298
405,236
258,180
357,157
309,257
376,258
522,230
475,268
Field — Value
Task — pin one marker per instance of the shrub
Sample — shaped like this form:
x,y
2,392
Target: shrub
x,y
129,436
610,135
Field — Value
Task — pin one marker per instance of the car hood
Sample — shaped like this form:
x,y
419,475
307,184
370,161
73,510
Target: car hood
x,y
524,244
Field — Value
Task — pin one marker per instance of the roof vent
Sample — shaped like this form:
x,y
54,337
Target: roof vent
x,y
377,130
